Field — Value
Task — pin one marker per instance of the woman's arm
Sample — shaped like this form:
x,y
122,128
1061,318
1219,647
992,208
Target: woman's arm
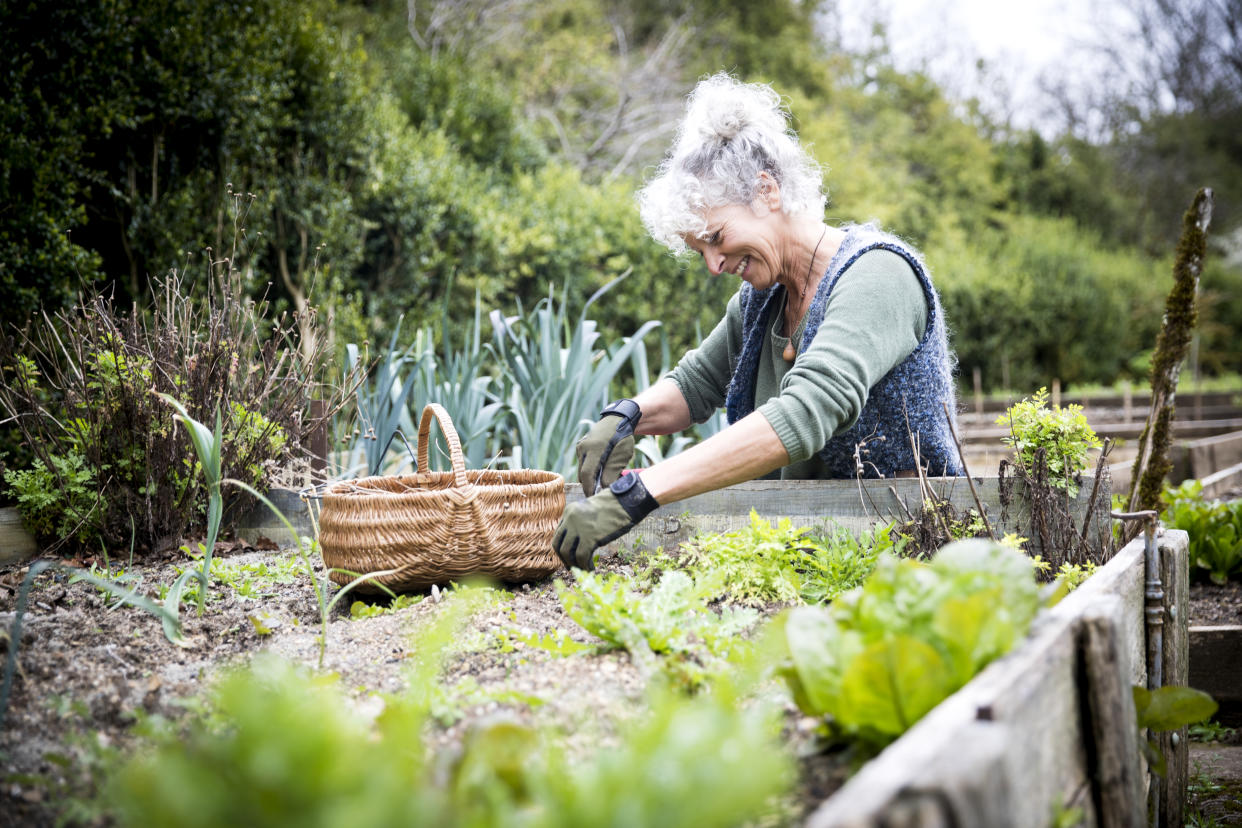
x,y
745,450
664,408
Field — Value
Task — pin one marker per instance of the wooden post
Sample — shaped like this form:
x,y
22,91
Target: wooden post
x,y
1117,780
1056,393
318,438
977,377
1175,576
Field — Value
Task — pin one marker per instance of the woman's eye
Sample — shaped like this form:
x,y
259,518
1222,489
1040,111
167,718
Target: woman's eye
x,y
714,238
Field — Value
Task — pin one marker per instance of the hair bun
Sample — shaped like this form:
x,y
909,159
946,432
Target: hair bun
x,y
721,107
726,123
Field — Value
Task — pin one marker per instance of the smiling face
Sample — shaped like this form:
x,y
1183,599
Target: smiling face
x,y
744,240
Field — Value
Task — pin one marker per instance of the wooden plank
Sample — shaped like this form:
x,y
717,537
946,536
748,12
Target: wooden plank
x,y
16,544
1212,454
1034,698
260,522
1117,777
1174,548
1216,662
856,505
1181,428
1218,483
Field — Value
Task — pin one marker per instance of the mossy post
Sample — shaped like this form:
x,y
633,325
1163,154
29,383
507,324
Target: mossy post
x,y
1180,314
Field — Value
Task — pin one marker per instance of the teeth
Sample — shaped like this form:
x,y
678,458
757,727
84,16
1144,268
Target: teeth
x,y
741,266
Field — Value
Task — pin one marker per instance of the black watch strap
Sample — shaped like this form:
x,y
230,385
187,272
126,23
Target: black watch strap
x,y
633,496
627,410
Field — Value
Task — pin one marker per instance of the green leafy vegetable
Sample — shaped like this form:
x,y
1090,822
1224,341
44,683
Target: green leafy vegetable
x,y
885,654
672,621
1214,527
1060,435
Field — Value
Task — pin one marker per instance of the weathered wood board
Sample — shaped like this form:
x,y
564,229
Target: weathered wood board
x,y
259,521
16,544
1216,662
1057,707
854,504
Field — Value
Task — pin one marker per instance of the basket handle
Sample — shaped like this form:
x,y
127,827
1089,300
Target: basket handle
x,y
450,436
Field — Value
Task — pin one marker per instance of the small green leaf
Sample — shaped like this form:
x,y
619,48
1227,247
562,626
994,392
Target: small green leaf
x,y
1172,708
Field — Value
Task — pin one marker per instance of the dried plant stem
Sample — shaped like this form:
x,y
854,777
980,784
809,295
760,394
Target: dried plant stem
x,y
966,470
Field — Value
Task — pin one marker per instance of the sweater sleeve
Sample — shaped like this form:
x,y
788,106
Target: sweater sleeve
x,y
703,374
875,317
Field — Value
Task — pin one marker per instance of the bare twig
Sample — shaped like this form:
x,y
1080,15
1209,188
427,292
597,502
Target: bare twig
x,y
962,456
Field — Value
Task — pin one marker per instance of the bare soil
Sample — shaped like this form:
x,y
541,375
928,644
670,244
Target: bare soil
x,y
84,668
1215,604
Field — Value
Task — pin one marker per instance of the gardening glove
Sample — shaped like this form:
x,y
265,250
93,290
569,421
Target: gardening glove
x,y
600,519
608,447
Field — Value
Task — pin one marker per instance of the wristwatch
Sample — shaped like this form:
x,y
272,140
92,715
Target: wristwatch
x,y
633,496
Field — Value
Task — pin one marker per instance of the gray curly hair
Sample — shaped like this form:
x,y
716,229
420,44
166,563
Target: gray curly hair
x,y
731,133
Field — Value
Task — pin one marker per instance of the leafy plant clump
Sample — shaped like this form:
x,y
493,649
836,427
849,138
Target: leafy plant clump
x,y
764,564
1057,438
1214,527
110,464
672,622
883,655
284,747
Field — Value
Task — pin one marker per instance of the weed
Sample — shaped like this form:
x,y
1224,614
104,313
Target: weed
x,y
763,564
1212,731
362,609
1058,438
670,629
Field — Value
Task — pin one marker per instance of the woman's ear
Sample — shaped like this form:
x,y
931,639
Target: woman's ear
x,y
768,192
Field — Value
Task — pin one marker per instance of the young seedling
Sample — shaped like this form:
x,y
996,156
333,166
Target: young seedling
x,y
304,549
207,444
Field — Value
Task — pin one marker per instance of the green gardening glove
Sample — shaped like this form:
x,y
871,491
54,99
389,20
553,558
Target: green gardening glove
x,y
608,447
600,519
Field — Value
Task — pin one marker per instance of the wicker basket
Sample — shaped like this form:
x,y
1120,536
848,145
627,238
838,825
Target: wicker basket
x,y
436,527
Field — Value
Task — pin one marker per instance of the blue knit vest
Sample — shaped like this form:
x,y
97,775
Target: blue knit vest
x,y
906,405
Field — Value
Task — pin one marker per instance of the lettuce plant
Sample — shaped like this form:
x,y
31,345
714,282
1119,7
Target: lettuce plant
x,y
1215,529
886,653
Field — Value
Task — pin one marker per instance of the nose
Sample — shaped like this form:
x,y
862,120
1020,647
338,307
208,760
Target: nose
x,y
714,260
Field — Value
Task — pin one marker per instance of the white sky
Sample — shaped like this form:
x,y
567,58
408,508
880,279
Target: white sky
x,y
1020,42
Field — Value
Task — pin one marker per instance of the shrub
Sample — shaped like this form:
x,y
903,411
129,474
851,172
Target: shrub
x,y
1059,438
111,467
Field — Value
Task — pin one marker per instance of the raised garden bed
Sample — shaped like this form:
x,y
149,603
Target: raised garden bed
x,y
1052,705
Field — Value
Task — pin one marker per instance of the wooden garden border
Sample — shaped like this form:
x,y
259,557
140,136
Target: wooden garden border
x,y
1049,726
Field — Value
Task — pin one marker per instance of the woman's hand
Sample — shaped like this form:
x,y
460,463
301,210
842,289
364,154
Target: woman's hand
x,y
608,447
600,519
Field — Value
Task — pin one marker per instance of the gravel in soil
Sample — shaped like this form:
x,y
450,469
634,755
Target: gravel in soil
x,y
85,667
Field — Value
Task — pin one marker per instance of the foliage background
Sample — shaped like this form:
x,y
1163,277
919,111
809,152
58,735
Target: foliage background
x,y
401,158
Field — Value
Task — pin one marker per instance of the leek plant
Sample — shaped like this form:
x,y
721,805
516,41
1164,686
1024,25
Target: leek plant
x,y
382,404
556,378
207,445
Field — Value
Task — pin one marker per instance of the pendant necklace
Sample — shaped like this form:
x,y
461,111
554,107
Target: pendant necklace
x,y
790,351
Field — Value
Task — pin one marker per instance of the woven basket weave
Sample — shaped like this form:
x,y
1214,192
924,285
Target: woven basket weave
x,y
436,527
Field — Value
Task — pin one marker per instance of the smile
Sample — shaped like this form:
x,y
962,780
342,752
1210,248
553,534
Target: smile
x,y
740,270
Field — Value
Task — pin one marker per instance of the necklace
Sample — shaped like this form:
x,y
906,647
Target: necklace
x,y
790,350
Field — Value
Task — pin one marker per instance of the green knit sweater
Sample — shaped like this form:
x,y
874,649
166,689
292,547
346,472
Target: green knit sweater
x,y
875,318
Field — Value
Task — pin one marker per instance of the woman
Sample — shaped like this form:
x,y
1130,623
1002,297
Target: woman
x,y
832,359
